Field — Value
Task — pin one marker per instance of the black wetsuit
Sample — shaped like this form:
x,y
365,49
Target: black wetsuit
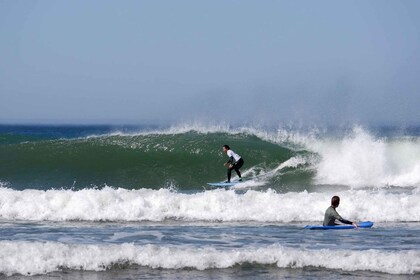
x,y
235,166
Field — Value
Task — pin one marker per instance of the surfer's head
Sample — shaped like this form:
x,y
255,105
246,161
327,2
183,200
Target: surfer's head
x,y
226,148
335,201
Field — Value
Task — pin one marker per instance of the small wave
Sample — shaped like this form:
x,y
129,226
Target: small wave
x,y
30,258
110,204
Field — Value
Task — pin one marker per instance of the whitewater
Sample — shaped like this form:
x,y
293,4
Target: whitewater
x,y
110,204
132,202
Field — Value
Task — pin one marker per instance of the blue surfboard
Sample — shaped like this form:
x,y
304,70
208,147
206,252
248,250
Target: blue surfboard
x,y
360,225
223,184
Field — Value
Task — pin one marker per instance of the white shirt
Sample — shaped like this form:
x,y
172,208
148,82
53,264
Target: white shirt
x,y
231,153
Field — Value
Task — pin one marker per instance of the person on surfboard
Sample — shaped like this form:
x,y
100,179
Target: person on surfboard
x,y
235,162
331,214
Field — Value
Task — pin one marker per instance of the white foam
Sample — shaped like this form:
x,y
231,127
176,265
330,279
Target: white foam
x,y
216,205
361,160
29,258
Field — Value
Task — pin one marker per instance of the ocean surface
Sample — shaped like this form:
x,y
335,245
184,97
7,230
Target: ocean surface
x,y
131,202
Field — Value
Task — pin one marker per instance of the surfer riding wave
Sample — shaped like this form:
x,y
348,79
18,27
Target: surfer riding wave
x,y
235,162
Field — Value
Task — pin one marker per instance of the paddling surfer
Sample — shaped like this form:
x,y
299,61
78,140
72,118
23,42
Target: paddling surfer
x,y
331,214
235,162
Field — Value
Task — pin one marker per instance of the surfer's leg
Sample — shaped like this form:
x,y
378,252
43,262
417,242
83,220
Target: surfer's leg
x,y
237,170
229,173
238,165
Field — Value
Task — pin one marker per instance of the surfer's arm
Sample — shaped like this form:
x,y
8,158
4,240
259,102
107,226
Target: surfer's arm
x,y
349,223
230,161
344,221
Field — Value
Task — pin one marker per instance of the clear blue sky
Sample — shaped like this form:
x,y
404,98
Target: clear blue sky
x,y
277,61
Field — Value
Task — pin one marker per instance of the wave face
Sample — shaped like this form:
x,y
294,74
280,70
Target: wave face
x,y
218,205
32,255
189,156
152,160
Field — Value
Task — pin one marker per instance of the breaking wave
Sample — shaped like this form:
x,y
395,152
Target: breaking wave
x,y
110,204
30,258
189,156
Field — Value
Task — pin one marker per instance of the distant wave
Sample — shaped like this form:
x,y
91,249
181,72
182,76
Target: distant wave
x,y
31,258
110,204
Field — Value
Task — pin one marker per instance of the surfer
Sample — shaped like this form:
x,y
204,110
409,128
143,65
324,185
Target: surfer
x,y
331,214
234,163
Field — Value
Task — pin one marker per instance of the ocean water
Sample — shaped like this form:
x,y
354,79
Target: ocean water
x,y
108,202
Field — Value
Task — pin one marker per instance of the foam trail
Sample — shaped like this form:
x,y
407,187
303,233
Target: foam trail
x,y
259,178
293,162
110,204
29,258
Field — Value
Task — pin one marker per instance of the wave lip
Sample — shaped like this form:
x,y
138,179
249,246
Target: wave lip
x,y
110,204
30,258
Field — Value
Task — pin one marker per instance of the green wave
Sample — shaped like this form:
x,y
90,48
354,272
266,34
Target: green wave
x,y
185,160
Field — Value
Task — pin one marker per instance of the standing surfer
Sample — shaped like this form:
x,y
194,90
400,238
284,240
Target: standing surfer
x,y
234,163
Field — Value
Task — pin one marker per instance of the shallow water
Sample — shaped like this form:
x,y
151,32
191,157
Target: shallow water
x,y
201,249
